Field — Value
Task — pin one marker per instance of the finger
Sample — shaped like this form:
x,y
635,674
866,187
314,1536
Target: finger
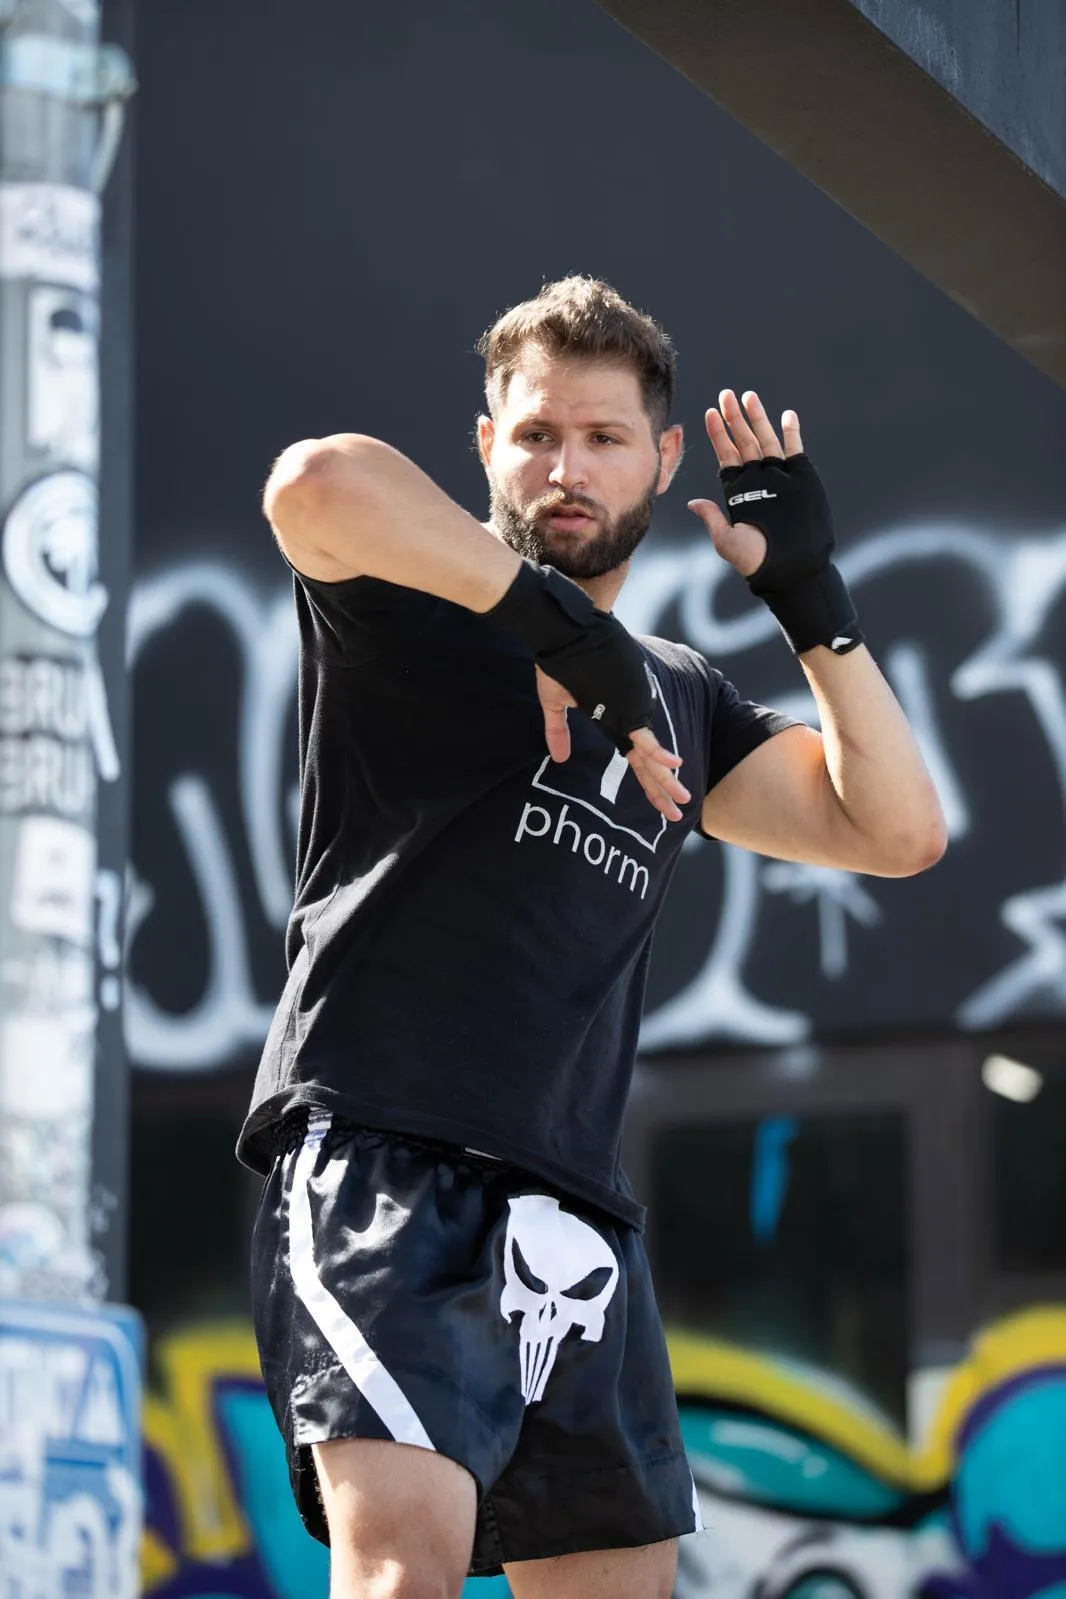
x,y
743,437
718,433
557,733
713,518
769,443
646,744
790,428
661,786
657,795
667,796
739,543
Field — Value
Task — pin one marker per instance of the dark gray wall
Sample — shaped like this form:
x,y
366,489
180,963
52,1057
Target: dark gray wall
x,y
1004,60
333,201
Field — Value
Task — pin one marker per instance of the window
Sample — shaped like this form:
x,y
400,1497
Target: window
x,y
1028,1141
190,1210
788,1235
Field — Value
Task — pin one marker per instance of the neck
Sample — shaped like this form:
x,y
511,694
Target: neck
x,y
603,591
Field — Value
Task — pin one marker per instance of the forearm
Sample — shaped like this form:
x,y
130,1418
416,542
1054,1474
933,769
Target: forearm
x,y
349,506
873,764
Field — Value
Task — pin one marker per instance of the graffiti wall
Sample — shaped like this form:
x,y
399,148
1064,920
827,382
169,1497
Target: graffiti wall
x,y
869,953
807,1492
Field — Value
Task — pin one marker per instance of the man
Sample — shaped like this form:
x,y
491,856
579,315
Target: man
x,y
454,1313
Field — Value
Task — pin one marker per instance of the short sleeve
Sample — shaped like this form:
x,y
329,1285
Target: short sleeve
x,y
737,727
360,616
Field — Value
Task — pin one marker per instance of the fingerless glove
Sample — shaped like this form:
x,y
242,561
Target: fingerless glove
x,y
586,650
797,579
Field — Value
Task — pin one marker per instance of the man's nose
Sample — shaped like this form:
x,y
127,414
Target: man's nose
x,y
570,470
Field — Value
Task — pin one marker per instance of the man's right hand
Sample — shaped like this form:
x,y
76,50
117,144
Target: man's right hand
x,y
653,767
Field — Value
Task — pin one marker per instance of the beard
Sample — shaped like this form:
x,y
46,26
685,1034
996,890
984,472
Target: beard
x,y
575,555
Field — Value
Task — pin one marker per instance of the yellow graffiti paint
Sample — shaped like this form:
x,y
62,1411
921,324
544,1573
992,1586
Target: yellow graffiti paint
x,y
158,1562
1025,1342
179,1425
707,1369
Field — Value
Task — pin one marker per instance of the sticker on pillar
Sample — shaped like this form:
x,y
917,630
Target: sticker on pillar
x,y
32,1240
52,890
63,376
85,11
70,1485
49,233
53,976
50,552
48,1063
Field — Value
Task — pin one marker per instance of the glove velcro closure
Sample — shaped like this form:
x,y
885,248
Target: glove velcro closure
x,y
817,610
543,608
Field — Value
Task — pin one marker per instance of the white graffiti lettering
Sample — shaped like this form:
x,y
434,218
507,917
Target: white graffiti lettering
x,y
227,1017
1020,579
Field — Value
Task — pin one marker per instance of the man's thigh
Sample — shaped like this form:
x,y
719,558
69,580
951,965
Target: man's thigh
x,y
646,1573
400,1518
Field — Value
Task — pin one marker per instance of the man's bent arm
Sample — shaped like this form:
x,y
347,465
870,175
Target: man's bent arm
x,y
350,506
857,796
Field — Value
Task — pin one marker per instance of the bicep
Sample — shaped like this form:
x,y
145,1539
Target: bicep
x,y
779,801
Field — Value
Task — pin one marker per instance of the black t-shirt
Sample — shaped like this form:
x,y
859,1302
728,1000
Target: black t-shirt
x,y
470,937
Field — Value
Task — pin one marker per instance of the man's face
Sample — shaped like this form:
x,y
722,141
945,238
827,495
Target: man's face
x,y
574,468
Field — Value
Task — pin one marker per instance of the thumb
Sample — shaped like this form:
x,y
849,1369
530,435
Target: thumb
x,y
739,543
713,518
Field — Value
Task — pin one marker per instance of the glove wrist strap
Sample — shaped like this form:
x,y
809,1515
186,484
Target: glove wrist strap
x,y
816,610
542,608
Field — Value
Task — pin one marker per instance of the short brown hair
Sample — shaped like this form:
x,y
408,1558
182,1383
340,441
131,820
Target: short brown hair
x,y
583,317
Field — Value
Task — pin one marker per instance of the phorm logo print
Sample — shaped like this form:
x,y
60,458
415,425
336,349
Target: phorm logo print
x,y
604,817
537,821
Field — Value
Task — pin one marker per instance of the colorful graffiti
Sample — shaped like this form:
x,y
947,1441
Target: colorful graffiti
x,y
807,1492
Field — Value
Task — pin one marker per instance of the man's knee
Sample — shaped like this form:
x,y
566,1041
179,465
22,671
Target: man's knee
x,y
401,1520
392,1581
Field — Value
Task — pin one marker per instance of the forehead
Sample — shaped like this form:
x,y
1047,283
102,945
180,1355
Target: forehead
x,y
542,385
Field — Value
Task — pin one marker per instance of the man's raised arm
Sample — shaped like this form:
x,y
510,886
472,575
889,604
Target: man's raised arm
x,y
857,795
352,506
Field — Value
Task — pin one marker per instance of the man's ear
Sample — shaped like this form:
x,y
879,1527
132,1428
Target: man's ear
x,y
671,451
486,432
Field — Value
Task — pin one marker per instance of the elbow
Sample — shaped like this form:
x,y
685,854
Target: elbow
x,y
290,477
913,852
306,474
926,850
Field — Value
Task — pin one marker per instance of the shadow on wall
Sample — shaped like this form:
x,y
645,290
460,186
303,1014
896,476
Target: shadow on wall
x,y
807,1493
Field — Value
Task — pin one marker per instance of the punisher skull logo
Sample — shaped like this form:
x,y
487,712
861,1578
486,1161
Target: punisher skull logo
x,y
558,1274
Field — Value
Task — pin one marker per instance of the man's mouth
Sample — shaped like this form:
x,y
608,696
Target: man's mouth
x,y
569,519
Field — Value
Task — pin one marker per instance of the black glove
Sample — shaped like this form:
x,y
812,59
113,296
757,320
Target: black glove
x,y
797,579
584,649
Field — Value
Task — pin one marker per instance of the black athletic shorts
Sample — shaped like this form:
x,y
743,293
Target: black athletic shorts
x,y
430,1295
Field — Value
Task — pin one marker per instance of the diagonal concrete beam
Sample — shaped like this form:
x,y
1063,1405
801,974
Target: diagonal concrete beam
x,y
844,105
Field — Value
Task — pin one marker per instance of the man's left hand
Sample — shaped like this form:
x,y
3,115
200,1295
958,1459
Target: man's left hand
x,y
742,433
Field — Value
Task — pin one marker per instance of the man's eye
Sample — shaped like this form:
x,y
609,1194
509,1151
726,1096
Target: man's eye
x,y
534,437
605,438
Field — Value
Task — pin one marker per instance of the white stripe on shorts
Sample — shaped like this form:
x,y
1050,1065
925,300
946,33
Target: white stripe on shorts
x,y
381,1390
